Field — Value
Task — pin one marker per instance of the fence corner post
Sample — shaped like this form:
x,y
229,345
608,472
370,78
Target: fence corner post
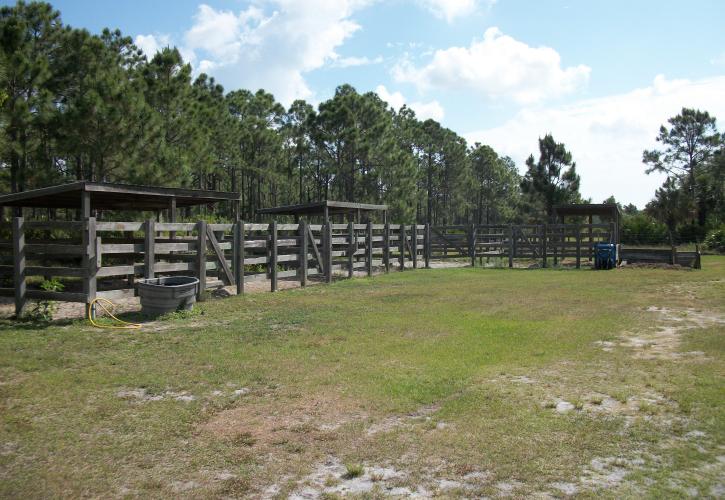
x,y
90,264
414,243
472,245
19,265
544,237
239,256
201,258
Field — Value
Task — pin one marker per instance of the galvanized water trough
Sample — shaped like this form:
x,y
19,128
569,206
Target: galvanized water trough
x,y
164,295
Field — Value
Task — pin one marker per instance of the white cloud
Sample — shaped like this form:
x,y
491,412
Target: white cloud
x,y
423,110
607,135
151,44
349,62
450,10
271,44
497,66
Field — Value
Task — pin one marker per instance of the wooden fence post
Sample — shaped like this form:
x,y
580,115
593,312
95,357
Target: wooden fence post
x,y
19,265
303,253
327,242
544,237
386,247
369,247
401,244
511,247
149,249
201,258
273,256
578,246
555,242
472,245
427,245
89,264
351,249
239,256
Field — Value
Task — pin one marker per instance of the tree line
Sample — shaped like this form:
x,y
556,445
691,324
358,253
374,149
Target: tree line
x,y
82,106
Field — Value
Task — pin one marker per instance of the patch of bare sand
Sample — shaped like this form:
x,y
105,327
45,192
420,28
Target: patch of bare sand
x,y
663,340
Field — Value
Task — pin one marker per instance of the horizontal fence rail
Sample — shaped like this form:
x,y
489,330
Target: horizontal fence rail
x,y
104,259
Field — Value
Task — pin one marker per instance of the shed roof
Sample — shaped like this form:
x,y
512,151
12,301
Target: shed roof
x,y
606,209
318,207
109,196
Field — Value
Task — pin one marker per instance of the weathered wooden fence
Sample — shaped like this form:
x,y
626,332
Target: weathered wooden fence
x,y
544,242
103,259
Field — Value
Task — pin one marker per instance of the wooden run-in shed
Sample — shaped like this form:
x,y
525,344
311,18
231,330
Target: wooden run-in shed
x,y
355,212
606,212
91,197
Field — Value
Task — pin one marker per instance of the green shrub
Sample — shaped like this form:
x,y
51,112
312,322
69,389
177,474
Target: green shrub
x,y
715,240
44,309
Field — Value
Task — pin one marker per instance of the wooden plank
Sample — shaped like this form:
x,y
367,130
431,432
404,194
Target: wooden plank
x,y
149,248
315,251
120,270
221,227
175,226
220,255
168,267
273,256
19,265
119,226
201,258
239,256
121,293
303,257
53,249
55,224
182,246
116,248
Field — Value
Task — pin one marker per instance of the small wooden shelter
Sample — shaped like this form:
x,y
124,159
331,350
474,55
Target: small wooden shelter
x,y
355,212
89,197
606,212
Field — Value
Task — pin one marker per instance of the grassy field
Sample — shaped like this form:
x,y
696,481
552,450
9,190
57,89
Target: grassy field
x,y
450,382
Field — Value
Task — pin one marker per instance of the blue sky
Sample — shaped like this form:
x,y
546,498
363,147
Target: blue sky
x,y
601,76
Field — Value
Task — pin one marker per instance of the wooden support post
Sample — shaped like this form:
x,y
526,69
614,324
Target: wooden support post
x,y
578,246
427,245
172,216
302,265
674,255
239,256
555,241
89,264
149,248
85,205
201,258
544,236
590,249
19,265
472,245
386,247
327,250
351,248
414,244
511,247
401,244
369,247
273,256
